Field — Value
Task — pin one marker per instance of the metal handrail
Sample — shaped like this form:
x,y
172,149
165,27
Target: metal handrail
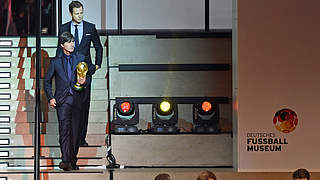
x,y
37,106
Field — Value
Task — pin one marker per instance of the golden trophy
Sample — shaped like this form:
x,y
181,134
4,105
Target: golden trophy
x,y
82,69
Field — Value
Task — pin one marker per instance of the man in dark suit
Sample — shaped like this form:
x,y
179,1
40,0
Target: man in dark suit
x,y
84,33
66,101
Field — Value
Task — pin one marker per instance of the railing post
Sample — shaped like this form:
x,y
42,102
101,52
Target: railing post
x,y
119,16
207,15
59,13
37,94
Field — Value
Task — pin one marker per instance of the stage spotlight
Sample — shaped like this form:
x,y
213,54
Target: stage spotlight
x,y
206,106
165,107
125,108
125,117
206,117
164,117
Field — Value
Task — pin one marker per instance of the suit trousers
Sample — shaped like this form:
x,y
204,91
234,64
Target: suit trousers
x,y
68,117
85,114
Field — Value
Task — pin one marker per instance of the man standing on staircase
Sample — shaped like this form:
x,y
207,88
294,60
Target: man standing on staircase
x,y
66,101
84,33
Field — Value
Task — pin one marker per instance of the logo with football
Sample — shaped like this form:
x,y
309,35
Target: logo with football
x,y
285,120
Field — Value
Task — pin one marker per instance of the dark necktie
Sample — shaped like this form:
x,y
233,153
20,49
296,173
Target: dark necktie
x,y
76,36
69,71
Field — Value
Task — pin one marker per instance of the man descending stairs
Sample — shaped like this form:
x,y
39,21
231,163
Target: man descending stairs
x,y
17,116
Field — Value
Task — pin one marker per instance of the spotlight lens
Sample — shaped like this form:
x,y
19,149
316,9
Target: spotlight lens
x,y
165,106
206,106
125,106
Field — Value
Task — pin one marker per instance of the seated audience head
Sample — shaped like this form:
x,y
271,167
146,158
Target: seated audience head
x,y
301,174
206,175
162,176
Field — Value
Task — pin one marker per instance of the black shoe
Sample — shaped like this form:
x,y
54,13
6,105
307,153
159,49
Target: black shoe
x,y
84,144
65,166
75,167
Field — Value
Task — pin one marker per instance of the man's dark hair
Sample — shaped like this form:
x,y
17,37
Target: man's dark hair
x,y
162,176
74,4
300,174
65,37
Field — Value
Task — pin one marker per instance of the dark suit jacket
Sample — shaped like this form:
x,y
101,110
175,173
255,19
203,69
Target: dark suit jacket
x,y
89,35
58,70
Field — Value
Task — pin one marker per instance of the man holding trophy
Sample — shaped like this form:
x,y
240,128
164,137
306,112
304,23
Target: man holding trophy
x,y
70,71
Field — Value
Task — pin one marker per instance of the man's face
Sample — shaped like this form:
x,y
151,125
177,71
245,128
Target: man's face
x,y
68,47
77,15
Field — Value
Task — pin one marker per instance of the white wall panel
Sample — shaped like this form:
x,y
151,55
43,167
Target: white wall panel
x,y
112,14
164,14
220,14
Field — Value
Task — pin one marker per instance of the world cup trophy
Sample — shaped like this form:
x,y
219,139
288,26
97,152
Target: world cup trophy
x,y
82,69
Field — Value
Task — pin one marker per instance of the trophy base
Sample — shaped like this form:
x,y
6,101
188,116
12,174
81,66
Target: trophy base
x,y
77,88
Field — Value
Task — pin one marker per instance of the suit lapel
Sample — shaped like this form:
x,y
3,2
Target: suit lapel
x,y
64,67
84,32
69,27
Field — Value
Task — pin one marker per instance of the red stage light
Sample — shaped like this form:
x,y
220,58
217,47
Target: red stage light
x,y
206,106
125,106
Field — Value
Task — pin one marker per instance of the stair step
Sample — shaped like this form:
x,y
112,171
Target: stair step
x,y
46,128
16,52
12,41
29,52
28,162
50,152
27,84
56,174
15,140
29,117
28,106
25,62
24,95
31,41
29,73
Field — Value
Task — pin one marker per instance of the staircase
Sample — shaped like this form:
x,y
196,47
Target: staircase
x,y
183,156
17,116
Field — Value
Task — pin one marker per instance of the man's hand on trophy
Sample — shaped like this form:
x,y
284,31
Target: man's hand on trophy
x,y
53,103
82,69
81,80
